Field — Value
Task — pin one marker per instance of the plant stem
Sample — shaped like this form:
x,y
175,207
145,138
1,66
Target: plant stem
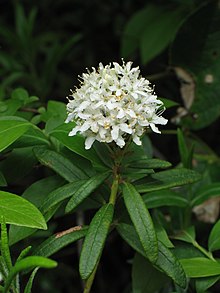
x,y
114,190
90,280
205,252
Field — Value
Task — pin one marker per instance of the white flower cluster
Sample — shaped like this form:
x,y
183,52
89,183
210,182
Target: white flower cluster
x,y
112,103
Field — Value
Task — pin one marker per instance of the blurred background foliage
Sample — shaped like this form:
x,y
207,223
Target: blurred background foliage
x,y
45,45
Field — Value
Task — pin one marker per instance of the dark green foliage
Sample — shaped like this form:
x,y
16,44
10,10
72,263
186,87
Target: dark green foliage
x,y
162,198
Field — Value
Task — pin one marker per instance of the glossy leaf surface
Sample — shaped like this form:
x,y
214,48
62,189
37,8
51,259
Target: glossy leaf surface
x,y
95,240
18,211
142,220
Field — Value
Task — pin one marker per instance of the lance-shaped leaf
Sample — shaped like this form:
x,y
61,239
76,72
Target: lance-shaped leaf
x,y
142,220
85,190
150,164
166,261
29,284
165,197
58,195
18,211
95,240
169,178
29,262
203,284
186,153
206,192
170,265
24,253
60,240
10,130
60,164
152,37
5,252
199,267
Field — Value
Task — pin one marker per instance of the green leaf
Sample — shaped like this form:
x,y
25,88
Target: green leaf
x,y
198,57
61,165
170,265
18,233
200,267
58,195
142,220
35,195
187,235
147,146
32,137
75,143
10,130
152,36
169,178
3,182
164,197
150,164
24,253
18,211
203,284
214,237
20,94
49,184
205,192
157,35
129,234
54,109
166,261
186,250
143,282
29,284
85,190
103,153
54,116
9,107
95,240
136,173
136,164
168,103
184,150
3,268
23,159
29,262
59,241
5,252
162,236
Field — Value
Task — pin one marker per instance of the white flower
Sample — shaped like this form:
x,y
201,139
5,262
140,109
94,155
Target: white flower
x,y
113,103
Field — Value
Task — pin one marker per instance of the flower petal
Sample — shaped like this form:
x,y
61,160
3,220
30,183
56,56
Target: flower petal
x,y
89,142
